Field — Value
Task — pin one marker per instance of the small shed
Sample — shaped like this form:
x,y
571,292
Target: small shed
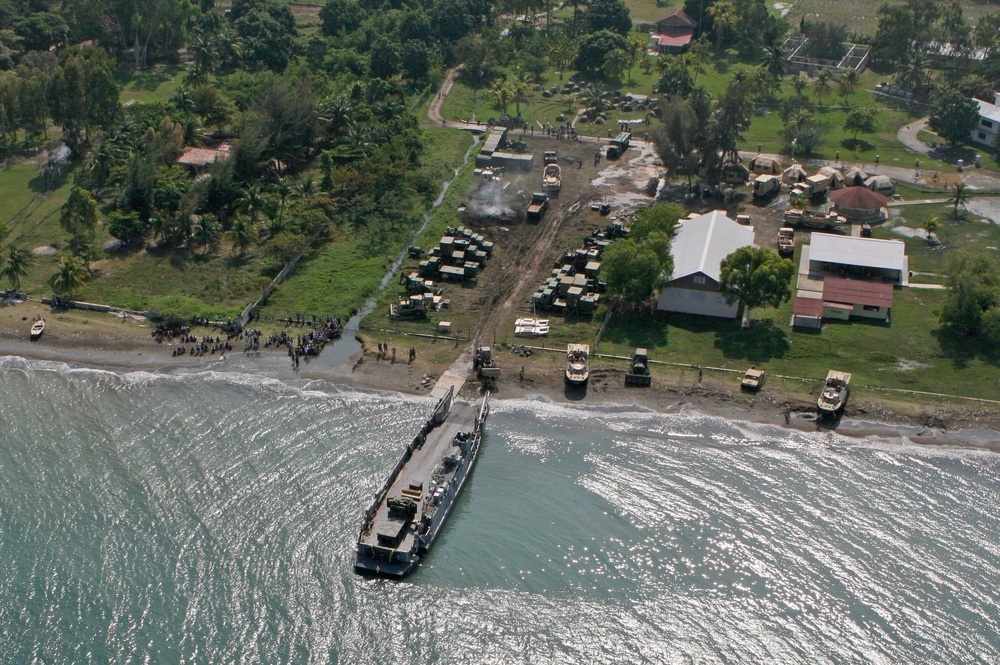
x,y
855,177
793,175
859,204
882,184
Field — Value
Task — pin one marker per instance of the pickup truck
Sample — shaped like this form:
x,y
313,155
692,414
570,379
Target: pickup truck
x,y
539,203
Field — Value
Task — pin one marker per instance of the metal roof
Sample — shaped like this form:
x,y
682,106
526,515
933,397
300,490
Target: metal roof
x,y
702,243
857,292
987,110
863,252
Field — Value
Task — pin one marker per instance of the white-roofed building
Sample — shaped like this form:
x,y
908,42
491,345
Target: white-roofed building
x,y
842,277
698,249
846,256
986,130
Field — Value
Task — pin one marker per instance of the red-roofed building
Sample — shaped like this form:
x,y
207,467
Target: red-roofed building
x,y
199,160
673,32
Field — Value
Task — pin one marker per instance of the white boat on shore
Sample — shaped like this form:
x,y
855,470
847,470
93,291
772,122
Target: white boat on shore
x,y
37,328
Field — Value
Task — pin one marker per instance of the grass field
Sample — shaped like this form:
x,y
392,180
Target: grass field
x,y
861,16
336,279
153,85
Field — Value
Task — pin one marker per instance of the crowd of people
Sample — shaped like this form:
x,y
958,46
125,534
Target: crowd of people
x,y
306,344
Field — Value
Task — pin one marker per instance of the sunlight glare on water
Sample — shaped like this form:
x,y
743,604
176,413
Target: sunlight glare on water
x,y
211,518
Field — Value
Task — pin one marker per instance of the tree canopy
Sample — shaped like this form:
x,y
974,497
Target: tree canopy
x,y
755,277
973,304
637,267
953,115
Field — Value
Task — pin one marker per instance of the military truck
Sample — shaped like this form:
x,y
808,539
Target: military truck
x,y
764,185
549,157
638,373
539,203
619,145
485,366
786,241
753,380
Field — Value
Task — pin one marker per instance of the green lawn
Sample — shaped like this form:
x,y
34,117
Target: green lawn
x,y
765,125
153,85
906,354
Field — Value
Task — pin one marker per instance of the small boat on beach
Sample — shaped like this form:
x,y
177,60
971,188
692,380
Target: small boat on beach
x,y
37,328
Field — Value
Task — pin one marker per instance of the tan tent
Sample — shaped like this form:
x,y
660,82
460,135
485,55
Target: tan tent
x,y
855,177
793,174
762,165
835,176
881,183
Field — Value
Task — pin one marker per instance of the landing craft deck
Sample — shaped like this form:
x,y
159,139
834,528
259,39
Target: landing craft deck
x,y
413,504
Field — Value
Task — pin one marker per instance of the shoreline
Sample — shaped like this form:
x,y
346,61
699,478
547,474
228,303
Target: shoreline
x,y
135,350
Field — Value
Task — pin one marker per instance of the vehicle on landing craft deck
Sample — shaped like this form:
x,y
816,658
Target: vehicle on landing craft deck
x,y
409,511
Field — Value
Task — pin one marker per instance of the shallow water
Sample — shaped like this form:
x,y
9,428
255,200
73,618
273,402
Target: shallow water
x,y
210,518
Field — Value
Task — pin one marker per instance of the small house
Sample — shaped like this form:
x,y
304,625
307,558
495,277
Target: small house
x,y
698,250
199,160
673,32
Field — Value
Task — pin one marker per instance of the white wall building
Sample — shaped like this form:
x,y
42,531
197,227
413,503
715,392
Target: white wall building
x,y
698,250
986,130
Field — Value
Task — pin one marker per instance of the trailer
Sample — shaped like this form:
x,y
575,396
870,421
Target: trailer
x,y
786,241
763,185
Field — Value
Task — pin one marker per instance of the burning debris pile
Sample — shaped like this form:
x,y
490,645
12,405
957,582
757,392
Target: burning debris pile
x,y
488,205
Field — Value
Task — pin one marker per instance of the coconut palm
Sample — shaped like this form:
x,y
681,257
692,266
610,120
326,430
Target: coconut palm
x,y
281,189
822,84
501,94
724,18
912,72
242,234
520,91
69,277
799,85
847,83
251,202
931,225
206,232
773,61
959,196
16,266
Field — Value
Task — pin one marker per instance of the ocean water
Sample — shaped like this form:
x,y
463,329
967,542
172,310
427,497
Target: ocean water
x,y
211,518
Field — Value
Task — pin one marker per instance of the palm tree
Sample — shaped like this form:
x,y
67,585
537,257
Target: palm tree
x,y
724,17
960,196
912,72
520,91
762,84
931,225
242,234
251,202
501,94
799,85
16,266
773,61
847,83
206,232
69,277
822,84
282,190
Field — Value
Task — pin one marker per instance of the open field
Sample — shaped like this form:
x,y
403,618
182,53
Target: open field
x,y
155,85
861,16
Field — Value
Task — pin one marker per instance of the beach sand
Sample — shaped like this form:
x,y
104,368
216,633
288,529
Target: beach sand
x,y
105,341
